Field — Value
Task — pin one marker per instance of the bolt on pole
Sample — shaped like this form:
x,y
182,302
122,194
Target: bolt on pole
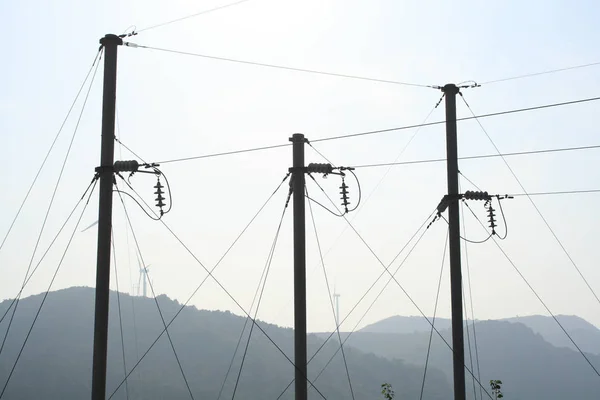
x,y
298,181
110,43
458,346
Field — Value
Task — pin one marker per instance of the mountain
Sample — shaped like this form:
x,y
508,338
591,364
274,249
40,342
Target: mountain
x,y
586,335
56,363
529,366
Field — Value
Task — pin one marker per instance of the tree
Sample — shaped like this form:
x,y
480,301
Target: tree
x,y
495,384
387,391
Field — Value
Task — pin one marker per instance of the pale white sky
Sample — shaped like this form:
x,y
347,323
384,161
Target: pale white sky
x,y
173,106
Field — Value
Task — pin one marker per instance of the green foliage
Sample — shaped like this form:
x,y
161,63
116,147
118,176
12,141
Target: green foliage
x,y
496,386
387,391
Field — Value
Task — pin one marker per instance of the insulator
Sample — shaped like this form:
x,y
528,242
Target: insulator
x,y
129,166
159,195
492,218
320,168
476,195
344,193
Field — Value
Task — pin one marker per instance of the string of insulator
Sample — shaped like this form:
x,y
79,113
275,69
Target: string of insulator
x,y
476,195
159,195
126,166
319,168
344,193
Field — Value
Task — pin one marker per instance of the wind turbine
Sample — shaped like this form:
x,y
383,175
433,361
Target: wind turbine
x,y
336,299
143,275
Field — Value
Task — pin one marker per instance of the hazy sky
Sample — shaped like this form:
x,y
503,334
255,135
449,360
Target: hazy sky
x,y
173,106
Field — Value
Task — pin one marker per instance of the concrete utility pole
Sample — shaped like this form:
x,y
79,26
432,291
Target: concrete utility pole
x,y
300,357
105,172
458,346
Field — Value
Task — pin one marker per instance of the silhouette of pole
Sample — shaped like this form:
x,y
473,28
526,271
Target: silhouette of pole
x,y
458,345
105,171
300,357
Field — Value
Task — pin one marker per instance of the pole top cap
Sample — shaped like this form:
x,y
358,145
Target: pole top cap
x,y
298,137
110,38
450,88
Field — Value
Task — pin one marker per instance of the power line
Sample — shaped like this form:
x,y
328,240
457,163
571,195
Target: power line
x,y
337,324
282,67
533,204
137,245
400,128
39,310
50,149
265,273
552,71
435,307
482,156
187,17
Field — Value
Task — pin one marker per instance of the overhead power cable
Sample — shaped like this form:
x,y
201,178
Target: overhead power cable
x,y
564,249
134,32
552,71
96,59
39,310
482,156
400,128
282,67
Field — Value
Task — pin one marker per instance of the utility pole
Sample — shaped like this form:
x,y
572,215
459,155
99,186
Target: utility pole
x,y
297,182
105,172
458,346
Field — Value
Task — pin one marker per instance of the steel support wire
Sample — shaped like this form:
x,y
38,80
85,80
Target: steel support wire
x,y
139,251
337,325
51,202
533,203
120,316
435,307
542,302
50,149
364,296
265,274
202,283
409,297
39,310
43,257
464,226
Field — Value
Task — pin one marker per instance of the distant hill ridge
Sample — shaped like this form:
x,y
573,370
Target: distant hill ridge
x,y
585,334
57,362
